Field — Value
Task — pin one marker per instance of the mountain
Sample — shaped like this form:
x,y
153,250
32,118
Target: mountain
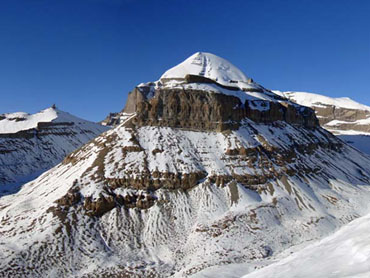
x,y
208,169
338,115
344,117
32,144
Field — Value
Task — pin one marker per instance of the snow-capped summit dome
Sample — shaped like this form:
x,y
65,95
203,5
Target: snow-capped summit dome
x,y
210,66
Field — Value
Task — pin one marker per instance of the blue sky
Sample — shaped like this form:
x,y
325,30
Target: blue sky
x,y
86,55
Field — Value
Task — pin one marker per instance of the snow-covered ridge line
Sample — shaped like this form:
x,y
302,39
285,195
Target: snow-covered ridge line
x,y
311,99
32,144
19,121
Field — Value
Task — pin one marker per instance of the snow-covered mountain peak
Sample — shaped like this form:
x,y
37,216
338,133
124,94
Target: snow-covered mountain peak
x,y
312,100
33,143
210,66
208,81
19,121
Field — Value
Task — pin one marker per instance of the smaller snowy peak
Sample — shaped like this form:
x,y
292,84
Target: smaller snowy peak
x,y
310,99
18,121
209,66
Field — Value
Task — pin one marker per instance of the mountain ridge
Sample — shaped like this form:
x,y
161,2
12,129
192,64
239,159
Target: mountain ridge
x,y
346,118
33,143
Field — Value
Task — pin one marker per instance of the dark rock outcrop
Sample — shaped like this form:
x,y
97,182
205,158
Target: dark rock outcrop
x,y
211,111
112,119
328,113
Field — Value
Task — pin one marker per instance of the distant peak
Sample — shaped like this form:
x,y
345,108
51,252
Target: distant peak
x,y
210,66
312,99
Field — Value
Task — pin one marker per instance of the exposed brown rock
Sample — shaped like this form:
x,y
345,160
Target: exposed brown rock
x,y
100,206
200,110
155,180
112,119
72,198
328,113
106,203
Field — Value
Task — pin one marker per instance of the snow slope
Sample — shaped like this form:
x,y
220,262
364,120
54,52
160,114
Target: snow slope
x,y
213,67
207,65
359,141
15,122
344,254
31,144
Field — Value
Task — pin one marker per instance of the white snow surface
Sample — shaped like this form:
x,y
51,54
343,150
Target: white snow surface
x,y
210,66
311,100
18,121
357,122
344,254
25,156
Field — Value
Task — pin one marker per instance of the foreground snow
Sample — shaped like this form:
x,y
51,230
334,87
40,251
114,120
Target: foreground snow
x,y
344,254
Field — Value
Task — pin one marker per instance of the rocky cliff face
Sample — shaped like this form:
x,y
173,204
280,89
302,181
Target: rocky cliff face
x,y
208,110
197,175
328,113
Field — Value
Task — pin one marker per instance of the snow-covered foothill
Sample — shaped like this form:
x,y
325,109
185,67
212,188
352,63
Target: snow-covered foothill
x,y
32,144
311,100
15,122
343,117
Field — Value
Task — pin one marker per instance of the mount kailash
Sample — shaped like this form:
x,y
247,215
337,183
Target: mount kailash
x,y
205,168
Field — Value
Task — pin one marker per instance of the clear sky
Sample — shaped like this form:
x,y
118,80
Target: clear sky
x,y
86,55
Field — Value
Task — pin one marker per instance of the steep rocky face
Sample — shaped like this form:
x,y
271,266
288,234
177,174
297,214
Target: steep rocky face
x,y
328,113
197,175
32,144
208,110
